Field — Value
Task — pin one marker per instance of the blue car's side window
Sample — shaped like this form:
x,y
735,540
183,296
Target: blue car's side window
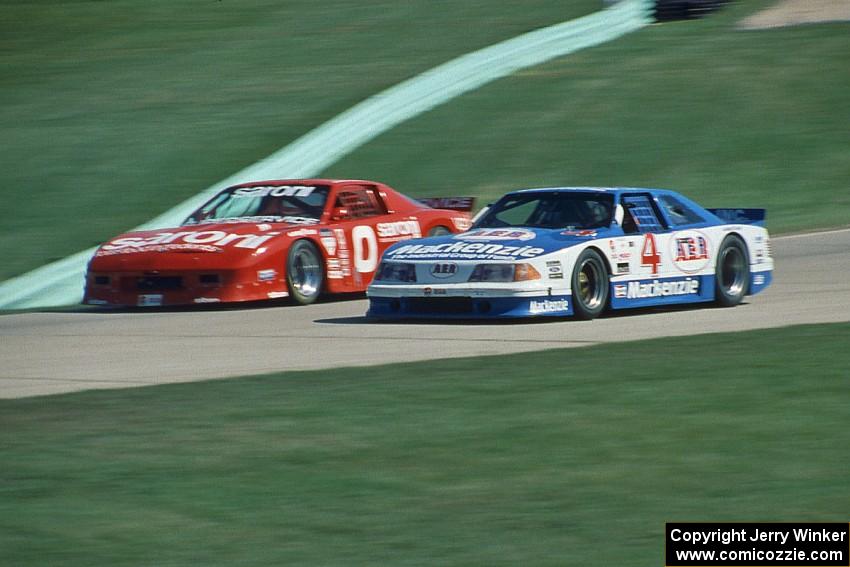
x,y
678,213
638,209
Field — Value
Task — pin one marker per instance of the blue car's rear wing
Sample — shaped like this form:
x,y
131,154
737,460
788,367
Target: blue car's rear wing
x,y
740,216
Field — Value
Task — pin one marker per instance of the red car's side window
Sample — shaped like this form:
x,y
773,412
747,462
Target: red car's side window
x,y
360,202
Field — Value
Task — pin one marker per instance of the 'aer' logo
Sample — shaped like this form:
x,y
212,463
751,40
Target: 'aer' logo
x,y
690,251
443,270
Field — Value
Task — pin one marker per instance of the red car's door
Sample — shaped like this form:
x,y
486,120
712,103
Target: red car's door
x,y
368,228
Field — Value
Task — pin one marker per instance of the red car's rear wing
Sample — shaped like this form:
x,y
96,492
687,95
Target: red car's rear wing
x,y
464,204
741,216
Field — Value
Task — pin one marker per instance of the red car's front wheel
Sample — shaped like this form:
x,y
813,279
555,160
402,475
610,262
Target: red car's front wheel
x,y
305,273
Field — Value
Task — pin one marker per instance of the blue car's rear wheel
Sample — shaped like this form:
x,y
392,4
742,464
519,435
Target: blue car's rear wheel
x,y
305,273
590,285
732,272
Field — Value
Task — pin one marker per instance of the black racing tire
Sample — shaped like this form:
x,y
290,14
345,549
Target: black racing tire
x,y
589,285
439,230
732,272
305,272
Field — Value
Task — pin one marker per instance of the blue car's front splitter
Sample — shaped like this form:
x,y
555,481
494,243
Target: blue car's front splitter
x,y
457,307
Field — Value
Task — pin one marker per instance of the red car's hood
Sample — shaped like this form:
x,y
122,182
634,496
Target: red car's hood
x,y
199,246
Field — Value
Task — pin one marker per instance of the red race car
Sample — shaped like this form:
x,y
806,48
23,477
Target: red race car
x,y
265,240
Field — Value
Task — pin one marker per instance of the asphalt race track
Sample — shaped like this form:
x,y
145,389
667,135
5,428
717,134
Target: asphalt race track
x,y
55,352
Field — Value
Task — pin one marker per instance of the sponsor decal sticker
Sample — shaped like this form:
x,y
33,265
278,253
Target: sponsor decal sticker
x,y
582,233
326,236
264,219
622,267
344,254
302,232
277,294
464,250
690,251
486,234
547,306
758,279
187,248
300,220
619,291
556,271
658,288
275,191
213,238
620,250
149,300
455,203
399,230
445,270
266,275
206,300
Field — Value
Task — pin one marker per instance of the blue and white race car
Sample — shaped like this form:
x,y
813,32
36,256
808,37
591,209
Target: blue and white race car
x,y
577,251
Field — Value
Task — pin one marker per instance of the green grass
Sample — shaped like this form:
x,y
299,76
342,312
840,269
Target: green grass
x,y
113,112
562,457
729,117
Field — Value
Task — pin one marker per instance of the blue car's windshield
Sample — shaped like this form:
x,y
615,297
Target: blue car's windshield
x,y
550,209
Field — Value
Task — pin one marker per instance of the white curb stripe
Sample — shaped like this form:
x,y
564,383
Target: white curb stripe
x,y
61,283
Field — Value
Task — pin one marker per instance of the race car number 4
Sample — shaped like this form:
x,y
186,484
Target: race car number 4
x,y
649,255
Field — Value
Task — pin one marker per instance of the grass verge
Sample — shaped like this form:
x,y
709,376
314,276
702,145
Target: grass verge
x,y
731,118
113,112
574,456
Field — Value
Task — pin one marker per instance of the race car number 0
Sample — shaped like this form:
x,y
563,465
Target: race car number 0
x,y
365,257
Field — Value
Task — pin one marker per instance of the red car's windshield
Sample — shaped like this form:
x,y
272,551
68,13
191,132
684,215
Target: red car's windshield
x,y
292,204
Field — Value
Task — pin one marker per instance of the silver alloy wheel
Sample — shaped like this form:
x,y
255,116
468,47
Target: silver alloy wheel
x,y
304,271
589,279
733,266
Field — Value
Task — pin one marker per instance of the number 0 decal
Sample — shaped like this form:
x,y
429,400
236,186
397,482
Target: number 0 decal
x,y
649,255
365,257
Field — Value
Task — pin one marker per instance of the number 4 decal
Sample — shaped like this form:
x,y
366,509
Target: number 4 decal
x,y
649,255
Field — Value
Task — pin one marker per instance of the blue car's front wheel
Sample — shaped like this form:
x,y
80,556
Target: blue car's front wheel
x,y
590,285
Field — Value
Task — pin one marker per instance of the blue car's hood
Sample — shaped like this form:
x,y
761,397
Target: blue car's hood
x,y
493,244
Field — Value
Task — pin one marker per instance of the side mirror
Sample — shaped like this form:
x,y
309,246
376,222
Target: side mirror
x,y
339,214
